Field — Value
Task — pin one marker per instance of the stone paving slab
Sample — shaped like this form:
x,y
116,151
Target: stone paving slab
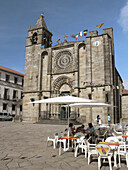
x,y
24,147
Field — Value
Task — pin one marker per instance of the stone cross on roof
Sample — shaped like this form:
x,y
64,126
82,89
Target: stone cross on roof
x,y
65,38
42,14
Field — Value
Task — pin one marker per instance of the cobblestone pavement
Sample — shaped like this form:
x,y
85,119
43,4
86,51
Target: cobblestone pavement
x,y
24,147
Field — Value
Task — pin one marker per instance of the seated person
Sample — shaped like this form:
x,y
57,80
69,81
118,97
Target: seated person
x,y
91,130
80,129
71,129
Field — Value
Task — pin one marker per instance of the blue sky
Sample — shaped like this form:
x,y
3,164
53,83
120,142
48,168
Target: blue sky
x,y
61,16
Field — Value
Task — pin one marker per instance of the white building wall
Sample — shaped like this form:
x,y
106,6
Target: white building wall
x,y
11,86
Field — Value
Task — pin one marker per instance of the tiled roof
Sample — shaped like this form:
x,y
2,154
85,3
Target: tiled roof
x,y
125,91
11,71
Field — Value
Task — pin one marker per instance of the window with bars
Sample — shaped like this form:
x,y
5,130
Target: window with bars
x,y
15,80
22,82
21,108
14,94
6,92
21,95
13,107
0,91
7,78
4,106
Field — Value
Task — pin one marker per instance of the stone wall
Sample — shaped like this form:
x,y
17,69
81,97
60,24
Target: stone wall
x,y
125,108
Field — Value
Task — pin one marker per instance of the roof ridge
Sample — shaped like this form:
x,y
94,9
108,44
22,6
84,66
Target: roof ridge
x,y
10,70
125,91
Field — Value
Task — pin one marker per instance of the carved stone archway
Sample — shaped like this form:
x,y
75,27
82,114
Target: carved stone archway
x,y
60,81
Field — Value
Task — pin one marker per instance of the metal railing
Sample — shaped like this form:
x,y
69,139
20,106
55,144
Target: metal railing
x,y
45,115
6,97
48,115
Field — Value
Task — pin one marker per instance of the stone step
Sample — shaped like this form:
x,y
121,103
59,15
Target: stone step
x,y
57,122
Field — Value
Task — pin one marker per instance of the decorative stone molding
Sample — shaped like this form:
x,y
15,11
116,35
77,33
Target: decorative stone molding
x,y
63,62
60,81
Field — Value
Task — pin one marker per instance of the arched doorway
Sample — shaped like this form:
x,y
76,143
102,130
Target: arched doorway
x,y
64,87
63,109
64,91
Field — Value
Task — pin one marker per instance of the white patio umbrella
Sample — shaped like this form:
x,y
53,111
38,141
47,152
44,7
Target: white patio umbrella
x,y
64,100
83,105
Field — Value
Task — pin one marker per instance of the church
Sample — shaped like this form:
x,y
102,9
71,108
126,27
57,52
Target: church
x,y
83,69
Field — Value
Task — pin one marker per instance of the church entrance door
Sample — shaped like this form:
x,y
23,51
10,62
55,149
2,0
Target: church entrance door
x,y
63,113
63,110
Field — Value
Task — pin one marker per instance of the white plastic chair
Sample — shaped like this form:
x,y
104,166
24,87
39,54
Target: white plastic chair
x,y
104,126
126,139
122,151
103,151
79,140
121,140
116,132
117,127
113,139
81,144
62,141
91,151
64,145
53,140
101,135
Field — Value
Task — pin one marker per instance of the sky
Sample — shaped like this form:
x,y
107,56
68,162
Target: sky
x,y
62,16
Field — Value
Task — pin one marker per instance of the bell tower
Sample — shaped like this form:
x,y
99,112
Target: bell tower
x,y
39,34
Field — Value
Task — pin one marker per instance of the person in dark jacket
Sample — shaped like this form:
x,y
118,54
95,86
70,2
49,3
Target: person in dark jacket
x,y
80,129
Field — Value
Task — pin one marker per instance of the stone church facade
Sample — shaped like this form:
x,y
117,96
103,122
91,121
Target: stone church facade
x,y
78,68
125,106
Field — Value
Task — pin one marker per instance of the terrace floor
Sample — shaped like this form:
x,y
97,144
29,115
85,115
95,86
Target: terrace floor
x,y
23,147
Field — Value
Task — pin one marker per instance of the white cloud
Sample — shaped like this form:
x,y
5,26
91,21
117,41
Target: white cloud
x,y
123,18
125,83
